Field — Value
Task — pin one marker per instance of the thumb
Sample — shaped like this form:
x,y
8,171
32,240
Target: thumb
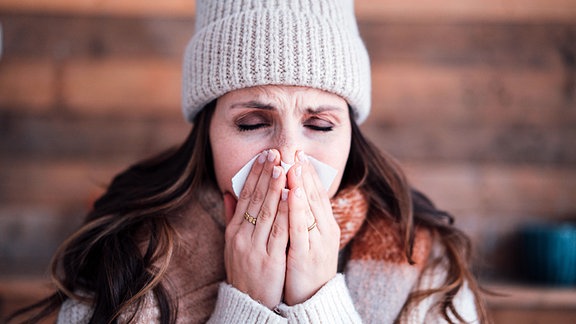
x,y
229,206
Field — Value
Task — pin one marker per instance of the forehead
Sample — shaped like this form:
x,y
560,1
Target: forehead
x,y
284,95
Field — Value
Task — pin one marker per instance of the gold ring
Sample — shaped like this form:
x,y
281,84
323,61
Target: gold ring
x,y
250,218
311,227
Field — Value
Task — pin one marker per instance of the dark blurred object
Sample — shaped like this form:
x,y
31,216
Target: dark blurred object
x,y
549,253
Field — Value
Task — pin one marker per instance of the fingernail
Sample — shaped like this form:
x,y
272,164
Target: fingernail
x,y
285,194
262,157
276,172
271,155
298,171
302,156
298,192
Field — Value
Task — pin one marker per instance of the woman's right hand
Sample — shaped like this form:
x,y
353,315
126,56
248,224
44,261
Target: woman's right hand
x,y
255,255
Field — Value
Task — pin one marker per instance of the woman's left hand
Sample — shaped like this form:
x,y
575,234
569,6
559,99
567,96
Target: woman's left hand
x,y
312,258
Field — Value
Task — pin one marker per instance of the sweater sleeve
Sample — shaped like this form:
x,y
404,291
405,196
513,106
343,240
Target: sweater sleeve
x,y
331,304
75,312
234,306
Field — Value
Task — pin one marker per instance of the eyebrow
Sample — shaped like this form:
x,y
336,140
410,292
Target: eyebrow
x,y
323,108
260,105
253,104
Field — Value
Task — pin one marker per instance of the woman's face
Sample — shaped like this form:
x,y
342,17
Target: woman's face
x,y
289,119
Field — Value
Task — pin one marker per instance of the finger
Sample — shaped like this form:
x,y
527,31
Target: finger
x,y
296,180
269,208
316,194
248,189
298,212
260,192
278,239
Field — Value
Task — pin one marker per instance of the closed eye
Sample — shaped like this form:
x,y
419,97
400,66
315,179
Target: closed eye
x,y
252,121
249,127
318,124
321,129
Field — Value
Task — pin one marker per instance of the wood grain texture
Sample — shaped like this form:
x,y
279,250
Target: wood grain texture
x,y
369,10
478,105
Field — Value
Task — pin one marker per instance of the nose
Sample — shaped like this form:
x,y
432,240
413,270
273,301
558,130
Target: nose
x,y
287,144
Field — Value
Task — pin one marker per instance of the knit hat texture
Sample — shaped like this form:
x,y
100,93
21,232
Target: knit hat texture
x,y
244,43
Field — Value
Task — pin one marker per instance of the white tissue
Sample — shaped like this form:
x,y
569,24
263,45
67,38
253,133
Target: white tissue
x,y
286,166
325,172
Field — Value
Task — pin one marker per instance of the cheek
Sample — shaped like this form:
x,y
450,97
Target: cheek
x,y
227,160
230,155
336,155
340,163
224,170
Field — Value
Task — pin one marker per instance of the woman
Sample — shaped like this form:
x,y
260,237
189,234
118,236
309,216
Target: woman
x,y
277,88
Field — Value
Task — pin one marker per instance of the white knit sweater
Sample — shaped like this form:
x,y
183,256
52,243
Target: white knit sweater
x,y
368,290
331,304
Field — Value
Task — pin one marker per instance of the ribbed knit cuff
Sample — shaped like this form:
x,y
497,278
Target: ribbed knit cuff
x,y
331,304
234,306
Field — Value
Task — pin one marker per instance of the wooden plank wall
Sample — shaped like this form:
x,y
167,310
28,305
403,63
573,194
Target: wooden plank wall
x,y
477,99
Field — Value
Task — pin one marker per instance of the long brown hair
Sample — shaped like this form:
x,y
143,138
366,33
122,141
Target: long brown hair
x,y
381,179
124,248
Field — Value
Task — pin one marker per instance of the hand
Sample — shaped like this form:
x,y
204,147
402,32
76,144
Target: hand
x,y
255,255
313,254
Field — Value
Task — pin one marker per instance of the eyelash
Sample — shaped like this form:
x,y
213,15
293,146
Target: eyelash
x,y
320,128
251,127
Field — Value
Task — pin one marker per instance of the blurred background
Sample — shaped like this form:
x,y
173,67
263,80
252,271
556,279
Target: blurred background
x,y
476,98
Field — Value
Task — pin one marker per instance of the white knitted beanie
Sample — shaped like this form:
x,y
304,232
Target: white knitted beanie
x,y
244,43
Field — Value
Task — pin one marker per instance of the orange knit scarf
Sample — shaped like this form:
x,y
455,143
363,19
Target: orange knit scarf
x,y
373,238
